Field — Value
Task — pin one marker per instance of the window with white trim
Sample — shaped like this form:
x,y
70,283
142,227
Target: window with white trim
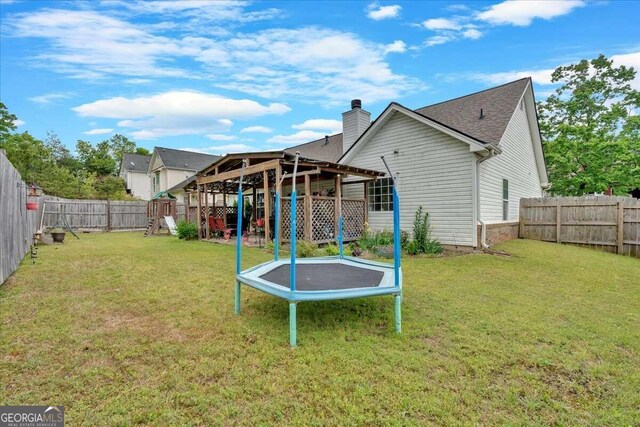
x,y
505,199
381,195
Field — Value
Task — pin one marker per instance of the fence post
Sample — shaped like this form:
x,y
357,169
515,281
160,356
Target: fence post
x,y
521,219
108,215
558,220
620,239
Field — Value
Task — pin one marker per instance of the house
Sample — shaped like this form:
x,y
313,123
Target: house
x,y
467,161
133,170
168,167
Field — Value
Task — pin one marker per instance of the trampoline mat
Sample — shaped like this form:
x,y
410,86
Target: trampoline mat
x,y
324,277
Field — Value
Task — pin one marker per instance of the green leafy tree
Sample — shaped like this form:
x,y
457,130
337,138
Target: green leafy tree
x,y
96,159
6,121
60,153
143,151
591,129
120,144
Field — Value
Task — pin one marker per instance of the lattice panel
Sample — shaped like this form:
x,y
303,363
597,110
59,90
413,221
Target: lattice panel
x,y
231,210
323,213
352,218
285,209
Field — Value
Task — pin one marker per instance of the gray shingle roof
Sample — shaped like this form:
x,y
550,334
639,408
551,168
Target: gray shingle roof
x,y
189,160
460,114
135,162
182,184
463,114
327,149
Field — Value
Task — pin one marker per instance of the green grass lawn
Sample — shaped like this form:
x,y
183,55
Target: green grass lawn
x,y
123,329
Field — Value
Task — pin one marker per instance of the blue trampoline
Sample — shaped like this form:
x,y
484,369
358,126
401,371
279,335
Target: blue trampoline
x,y
320,278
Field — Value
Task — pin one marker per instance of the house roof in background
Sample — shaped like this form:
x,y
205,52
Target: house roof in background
x,y
328,149
463,114
135,162
185,160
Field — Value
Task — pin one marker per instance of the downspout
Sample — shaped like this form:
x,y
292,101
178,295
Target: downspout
x,y
493,151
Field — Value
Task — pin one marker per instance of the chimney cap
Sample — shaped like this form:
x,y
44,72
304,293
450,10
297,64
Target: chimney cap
x,y
356,103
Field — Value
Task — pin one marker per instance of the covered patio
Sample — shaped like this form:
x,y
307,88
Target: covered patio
x,y
319,201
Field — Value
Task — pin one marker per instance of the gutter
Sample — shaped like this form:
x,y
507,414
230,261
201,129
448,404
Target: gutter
x,y
493,151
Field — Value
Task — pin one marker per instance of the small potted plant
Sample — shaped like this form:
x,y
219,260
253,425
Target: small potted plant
x,y
227,233
58,235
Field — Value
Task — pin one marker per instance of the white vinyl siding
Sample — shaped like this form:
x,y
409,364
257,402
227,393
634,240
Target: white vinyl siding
x,y
435,172
517,164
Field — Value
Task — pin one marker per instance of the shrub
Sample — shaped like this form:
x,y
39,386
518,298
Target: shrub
x,y
306,249
355,250
186,230
372,240
413,248
422,236
404,239
332,250
270,247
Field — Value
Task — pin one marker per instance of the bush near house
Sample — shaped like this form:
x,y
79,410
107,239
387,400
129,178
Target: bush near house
x,y
422,242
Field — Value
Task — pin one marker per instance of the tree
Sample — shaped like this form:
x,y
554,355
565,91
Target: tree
x,y
120,144
143,151
591,129
6,121
60,153
96,159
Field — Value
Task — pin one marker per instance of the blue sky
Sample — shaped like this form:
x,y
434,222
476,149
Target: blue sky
x,y
234,76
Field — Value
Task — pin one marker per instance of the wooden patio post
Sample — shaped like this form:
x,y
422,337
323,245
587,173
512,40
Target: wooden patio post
x,y
254,208
224,204
279,191
199,215
267,208
206,212
187,205
307,209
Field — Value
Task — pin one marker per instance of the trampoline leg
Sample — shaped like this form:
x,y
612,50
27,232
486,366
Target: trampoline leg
x,y
292,325
237,305
397,312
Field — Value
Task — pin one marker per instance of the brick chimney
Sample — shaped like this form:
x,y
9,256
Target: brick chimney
x,y
354,123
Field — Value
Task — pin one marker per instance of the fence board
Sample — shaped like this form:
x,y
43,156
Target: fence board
x,y
17,224
606,223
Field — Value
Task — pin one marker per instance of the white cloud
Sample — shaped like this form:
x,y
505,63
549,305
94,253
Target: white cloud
x,y
18,122
297,138
472,33
377,12
397,46
177,113
225,149
49,98
541,77
441,24
311,63
330,125
97,131
308,63
439,39
220,137
256,129
522,13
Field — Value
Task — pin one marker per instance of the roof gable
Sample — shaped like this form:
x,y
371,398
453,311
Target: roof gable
x,y
463,114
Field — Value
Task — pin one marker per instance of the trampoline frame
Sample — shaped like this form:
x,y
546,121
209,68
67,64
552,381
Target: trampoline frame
x,y
390,283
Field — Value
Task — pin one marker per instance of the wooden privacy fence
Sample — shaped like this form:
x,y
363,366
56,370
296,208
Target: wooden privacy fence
x,y
607,223
106,215
17,224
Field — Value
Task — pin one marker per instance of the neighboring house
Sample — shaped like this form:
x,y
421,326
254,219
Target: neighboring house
x,y
133,169
467,161
169,167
